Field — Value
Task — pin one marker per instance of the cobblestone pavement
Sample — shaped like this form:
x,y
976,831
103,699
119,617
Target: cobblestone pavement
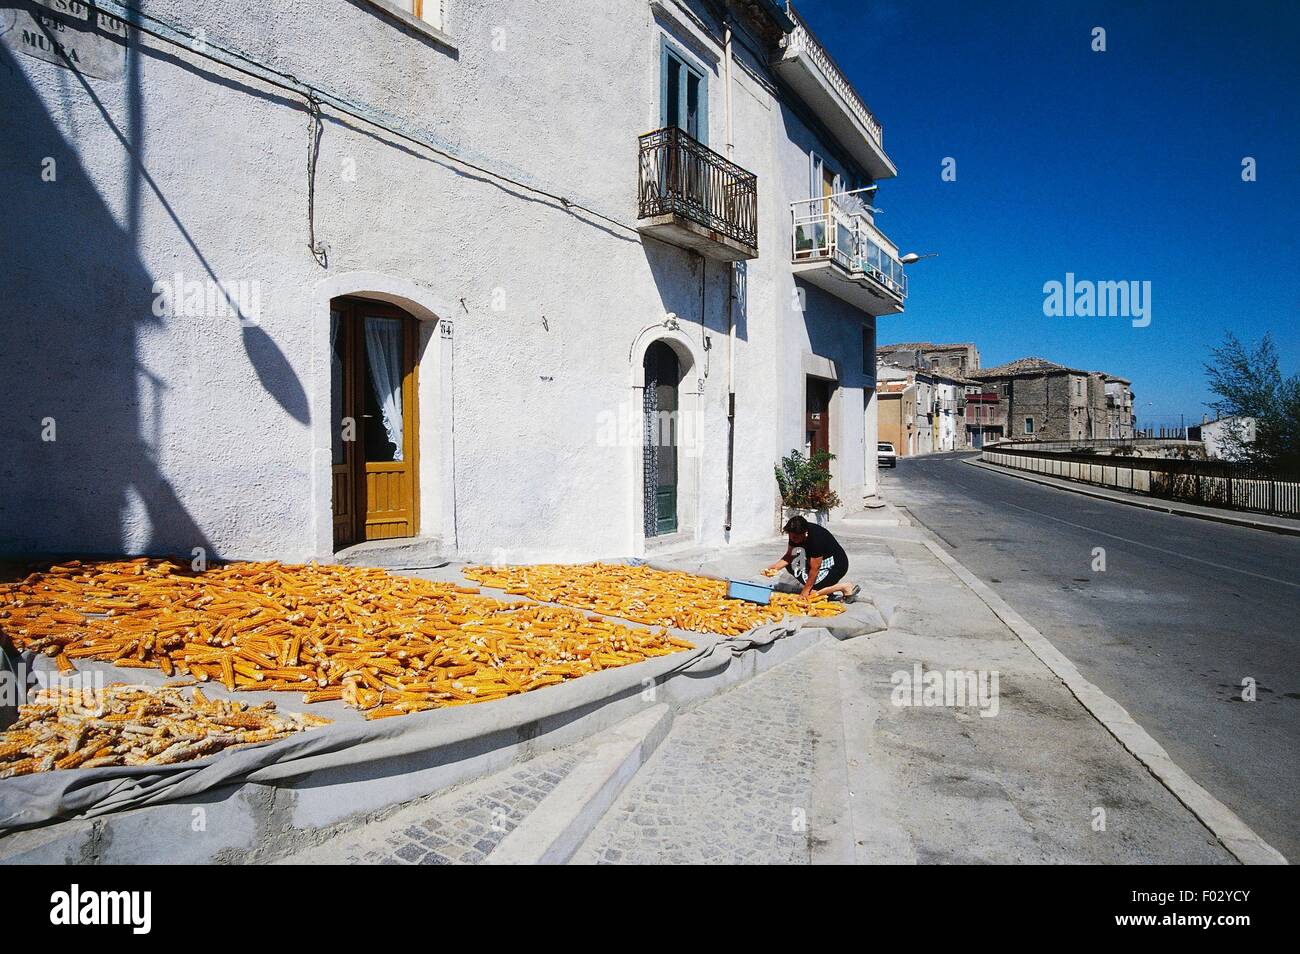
x,y
461,826
732,783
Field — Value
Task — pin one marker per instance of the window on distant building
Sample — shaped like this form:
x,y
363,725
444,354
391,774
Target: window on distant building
x,y
1029,425
684,99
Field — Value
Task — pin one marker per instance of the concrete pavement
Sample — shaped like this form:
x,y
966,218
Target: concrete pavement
x,y
1173,618
813,761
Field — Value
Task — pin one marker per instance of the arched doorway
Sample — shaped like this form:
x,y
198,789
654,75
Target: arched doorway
x,y
374,421
663,375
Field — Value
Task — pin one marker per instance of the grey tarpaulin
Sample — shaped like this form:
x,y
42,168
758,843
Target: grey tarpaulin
x,y
47,796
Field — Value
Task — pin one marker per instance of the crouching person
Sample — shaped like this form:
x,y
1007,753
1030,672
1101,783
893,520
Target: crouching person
x,y
816,559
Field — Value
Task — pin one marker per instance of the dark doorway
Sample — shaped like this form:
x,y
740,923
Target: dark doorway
x,y
662,377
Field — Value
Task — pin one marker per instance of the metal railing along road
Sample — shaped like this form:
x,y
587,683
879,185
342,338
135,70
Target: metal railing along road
x,y
1212,483
680,175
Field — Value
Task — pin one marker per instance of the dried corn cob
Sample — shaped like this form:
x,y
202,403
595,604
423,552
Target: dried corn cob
x,y
65,728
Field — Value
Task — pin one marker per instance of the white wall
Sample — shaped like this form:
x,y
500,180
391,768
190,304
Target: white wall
x,y
176,432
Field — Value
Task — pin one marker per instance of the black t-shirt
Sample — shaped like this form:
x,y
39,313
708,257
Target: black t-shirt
x,y
822,543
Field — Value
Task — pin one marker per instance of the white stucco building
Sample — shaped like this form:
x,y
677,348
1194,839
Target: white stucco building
x,y
950,425
282,279
1224,436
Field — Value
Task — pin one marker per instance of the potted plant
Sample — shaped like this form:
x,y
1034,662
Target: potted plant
x,y
805,485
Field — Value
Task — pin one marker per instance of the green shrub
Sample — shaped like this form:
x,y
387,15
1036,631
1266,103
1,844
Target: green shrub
x,y
805,482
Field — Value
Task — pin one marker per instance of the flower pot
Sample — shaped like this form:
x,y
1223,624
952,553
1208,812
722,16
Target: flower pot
x,y
819,517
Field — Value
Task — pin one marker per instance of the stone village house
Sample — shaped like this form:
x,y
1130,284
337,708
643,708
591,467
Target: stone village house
x,y
1051,402
952,359
510,280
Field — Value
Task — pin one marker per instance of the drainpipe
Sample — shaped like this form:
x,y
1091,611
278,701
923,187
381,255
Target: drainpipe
x,y
731,297
726,54
731,390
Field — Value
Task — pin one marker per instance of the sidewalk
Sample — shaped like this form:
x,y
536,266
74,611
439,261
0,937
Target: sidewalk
x,y
811,762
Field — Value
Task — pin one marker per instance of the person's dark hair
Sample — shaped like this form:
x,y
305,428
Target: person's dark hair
x,y
796,524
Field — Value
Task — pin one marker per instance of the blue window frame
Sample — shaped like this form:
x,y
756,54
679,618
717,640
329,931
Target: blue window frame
x,y
683,92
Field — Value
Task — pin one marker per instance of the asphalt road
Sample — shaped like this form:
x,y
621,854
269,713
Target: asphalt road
x,y
1183,612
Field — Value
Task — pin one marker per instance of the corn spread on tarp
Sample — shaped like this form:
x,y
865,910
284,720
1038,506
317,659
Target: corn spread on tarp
x,y
384,644
647,595
98,612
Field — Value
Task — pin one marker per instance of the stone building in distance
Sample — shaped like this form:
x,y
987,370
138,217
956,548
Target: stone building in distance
x,y
1049,401
952,359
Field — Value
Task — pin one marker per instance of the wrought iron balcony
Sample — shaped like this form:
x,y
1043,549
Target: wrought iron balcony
x,y
838,249
691,196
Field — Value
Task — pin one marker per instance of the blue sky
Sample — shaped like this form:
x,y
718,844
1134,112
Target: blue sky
x,y
1122,165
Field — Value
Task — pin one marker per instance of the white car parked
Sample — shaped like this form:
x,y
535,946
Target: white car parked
x,y
886,456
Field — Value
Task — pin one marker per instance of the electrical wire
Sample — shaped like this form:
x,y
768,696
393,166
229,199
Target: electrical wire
x,y
176,35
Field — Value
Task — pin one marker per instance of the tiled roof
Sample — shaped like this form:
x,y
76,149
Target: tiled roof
x,y
1023,366
922,346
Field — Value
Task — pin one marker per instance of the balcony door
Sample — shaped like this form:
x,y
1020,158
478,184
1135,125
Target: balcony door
x,y
683,94
374,421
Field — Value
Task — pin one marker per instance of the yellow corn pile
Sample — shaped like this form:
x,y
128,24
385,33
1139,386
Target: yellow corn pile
x,y
645,595
63,728
384,644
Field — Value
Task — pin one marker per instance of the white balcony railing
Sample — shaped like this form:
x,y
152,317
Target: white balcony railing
x,y
802,40
823,230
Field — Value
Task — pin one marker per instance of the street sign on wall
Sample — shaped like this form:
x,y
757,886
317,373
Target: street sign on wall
x,y
70,34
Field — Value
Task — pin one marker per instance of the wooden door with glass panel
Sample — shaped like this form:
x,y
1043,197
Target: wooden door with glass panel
x,y
374,425
817,407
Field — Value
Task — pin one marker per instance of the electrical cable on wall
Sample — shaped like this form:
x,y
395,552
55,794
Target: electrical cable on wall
x,y
313,151
176,35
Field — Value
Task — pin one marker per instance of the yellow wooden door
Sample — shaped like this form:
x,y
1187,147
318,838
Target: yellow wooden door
x,y
376,487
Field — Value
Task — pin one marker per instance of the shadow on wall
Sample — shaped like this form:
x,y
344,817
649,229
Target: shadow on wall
x,y
835,331
77,296
691,285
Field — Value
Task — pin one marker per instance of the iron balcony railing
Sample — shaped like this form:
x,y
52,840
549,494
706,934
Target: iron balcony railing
x,y
679,175
820,231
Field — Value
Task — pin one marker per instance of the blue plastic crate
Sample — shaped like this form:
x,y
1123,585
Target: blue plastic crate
x,y
752,592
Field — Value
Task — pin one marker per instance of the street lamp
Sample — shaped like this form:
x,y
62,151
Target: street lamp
x,y
912,257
